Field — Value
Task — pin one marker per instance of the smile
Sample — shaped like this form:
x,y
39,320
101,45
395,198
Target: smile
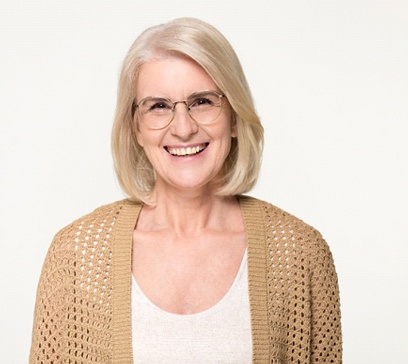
x,y
188,151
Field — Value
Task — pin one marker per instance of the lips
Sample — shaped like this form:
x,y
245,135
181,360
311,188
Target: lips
x,y
186,151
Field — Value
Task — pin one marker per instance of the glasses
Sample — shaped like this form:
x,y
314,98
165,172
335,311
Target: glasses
x,y
158,112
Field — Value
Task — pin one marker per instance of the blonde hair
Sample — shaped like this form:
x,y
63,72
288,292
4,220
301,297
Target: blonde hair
x,y
201,42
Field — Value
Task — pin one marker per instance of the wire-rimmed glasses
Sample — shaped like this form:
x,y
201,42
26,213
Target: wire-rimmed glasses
x,y
158,112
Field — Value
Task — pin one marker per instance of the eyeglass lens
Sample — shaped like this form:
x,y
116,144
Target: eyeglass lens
x,y
203,107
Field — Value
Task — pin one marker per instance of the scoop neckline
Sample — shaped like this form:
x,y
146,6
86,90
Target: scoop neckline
x,y
242,268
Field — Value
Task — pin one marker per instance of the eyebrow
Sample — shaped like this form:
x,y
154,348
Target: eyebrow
x,y
168,98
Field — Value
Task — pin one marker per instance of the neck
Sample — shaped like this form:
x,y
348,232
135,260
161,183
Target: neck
x,y
188,212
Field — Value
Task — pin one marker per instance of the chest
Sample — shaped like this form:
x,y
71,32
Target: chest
x,y
186,276
221,334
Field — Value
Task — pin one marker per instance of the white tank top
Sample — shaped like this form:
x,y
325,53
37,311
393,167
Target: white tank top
x,y
221,334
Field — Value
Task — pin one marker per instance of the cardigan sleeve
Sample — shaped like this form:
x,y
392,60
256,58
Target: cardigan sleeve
x,y
50,309
326,336
302,294
73,318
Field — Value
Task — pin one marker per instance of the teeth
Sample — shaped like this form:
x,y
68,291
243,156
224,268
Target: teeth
x,y
186,151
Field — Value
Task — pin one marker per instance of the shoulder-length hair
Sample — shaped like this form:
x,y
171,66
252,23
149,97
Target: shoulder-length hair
x,y
202,43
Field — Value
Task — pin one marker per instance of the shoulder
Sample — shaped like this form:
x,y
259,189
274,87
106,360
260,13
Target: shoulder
x,y
288,239
95,225
272,214
280,225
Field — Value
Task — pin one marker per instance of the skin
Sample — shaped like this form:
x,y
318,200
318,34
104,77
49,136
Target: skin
x,y
188,247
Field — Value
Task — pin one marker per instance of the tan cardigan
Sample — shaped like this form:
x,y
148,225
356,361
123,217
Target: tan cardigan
x,y
83,312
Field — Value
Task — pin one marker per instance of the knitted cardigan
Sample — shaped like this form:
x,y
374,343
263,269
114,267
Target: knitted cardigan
x,y
83,307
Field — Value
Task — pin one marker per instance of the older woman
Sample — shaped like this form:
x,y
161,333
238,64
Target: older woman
x,y
187,269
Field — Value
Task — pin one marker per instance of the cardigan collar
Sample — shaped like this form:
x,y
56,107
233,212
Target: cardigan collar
x,y
257,272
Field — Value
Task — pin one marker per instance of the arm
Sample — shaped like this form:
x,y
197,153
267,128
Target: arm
x,y
50,310
326,336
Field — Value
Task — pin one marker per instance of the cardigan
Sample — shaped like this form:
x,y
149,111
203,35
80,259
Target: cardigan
x,y
83,305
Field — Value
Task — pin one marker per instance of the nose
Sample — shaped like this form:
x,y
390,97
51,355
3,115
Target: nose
x,y
182,125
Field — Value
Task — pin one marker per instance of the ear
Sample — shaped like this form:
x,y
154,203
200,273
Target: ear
x,y
234,132
138,136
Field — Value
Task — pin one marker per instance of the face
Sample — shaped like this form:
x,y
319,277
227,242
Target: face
x,y
185,155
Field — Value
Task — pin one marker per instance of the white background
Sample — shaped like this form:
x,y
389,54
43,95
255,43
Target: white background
x,y
330,81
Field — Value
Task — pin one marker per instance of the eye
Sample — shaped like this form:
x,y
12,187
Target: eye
x,y
159,105
155,105
202,102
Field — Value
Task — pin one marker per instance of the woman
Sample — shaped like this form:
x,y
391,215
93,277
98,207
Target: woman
x,y
187,269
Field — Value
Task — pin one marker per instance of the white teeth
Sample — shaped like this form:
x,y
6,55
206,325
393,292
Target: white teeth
x,y
186,151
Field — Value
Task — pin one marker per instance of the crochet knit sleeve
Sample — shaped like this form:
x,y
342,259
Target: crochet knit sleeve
x,y
326,337
73,312
51,307
303,293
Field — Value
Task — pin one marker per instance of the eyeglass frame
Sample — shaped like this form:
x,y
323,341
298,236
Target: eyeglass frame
x,y
174,103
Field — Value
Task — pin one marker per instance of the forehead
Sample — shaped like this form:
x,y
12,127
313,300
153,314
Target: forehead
x,y
173,78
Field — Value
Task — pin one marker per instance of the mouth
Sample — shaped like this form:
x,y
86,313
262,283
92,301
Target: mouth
x,y
187,151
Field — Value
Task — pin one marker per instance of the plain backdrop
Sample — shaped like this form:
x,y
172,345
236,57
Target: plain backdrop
x,y
330,82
